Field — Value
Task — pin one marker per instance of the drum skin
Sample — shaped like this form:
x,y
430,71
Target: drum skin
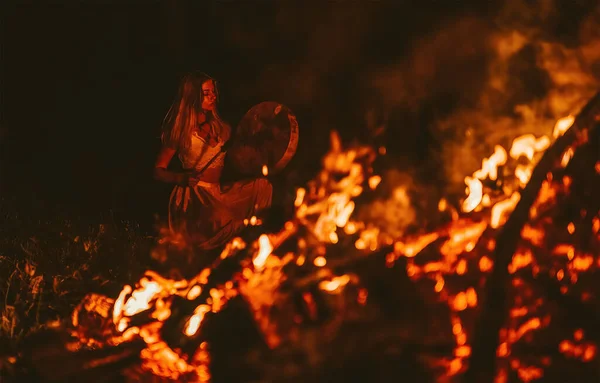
x,y
267,135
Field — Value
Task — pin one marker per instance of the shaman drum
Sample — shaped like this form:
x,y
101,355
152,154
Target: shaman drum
x,y
266,135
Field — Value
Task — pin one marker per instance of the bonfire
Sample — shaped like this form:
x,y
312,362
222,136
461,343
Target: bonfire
x,y
516,256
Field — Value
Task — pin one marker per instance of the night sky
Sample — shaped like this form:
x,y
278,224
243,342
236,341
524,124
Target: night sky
x,y
85,84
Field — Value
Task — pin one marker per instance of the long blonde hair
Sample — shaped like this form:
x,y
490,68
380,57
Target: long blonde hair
x,y
182,117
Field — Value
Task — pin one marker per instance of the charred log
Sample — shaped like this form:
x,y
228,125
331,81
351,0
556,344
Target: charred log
x,y
53,355
582,136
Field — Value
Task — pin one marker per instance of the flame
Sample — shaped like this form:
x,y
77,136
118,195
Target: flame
x,y
527,145
374,181
563,125
502,208
331,199
264,251
485,264
489,166
320,261
300,193
335,283
193,324
566,157
442,204
460,249
475,190
465,236
140,298
368,239
118,307
412,248
520,260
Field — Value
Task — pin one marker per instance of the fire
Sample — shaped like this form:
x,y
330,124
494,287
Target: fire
x,y
475,190
460,302
193,324
335,283
140,299
118,307
368,239
320,261
485,264
527,145
439,285
465,237
489,166
442,204
374,181
324,210
520,260
265,249
300,193
331,199
563,125
528,326
412,248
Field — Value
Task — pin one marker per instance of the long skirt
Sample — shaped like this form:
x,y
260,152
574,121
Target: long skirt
x,y
209,215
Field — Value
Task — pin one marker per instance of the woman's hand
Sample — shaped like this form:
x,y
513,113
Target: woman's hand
x,y
193,179
189,178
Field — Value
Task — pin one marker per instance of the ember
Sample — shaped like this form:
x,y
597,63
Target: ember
x,y
299,267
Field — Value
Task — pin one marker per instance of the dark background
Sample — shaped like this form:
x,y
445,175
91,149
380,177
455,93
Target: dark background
x,y
85,84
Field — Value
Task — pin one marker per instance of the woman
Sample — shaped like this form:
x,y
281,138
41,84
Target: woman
x,y
205,213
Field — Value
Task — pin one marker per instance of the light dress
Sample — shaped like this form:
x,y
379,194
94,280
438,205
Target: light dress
x,y
209,214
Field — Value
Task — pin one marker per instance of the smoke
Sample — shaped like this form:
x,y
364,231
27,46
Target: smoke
x,y
446,93
395,210
534,63
482,83
446,61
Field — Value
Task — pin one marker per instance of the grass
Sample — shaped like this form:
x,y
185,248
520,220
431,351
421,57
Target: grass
x,y
47,265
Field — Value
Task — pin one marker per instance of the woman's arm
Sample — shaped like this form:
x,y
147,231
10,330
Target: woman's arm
x,y
160,169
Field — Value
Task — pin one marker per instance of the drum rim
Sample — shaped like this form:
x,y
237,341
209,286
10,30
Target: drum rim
x,y
292,144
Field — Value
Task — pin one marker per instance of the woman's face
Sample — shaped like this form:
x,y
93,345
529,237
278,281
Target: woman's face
x,y
209,95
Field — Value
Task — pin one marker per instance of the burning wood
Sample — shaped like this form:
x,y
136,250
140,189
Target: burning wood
x,y
508,240
511,232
